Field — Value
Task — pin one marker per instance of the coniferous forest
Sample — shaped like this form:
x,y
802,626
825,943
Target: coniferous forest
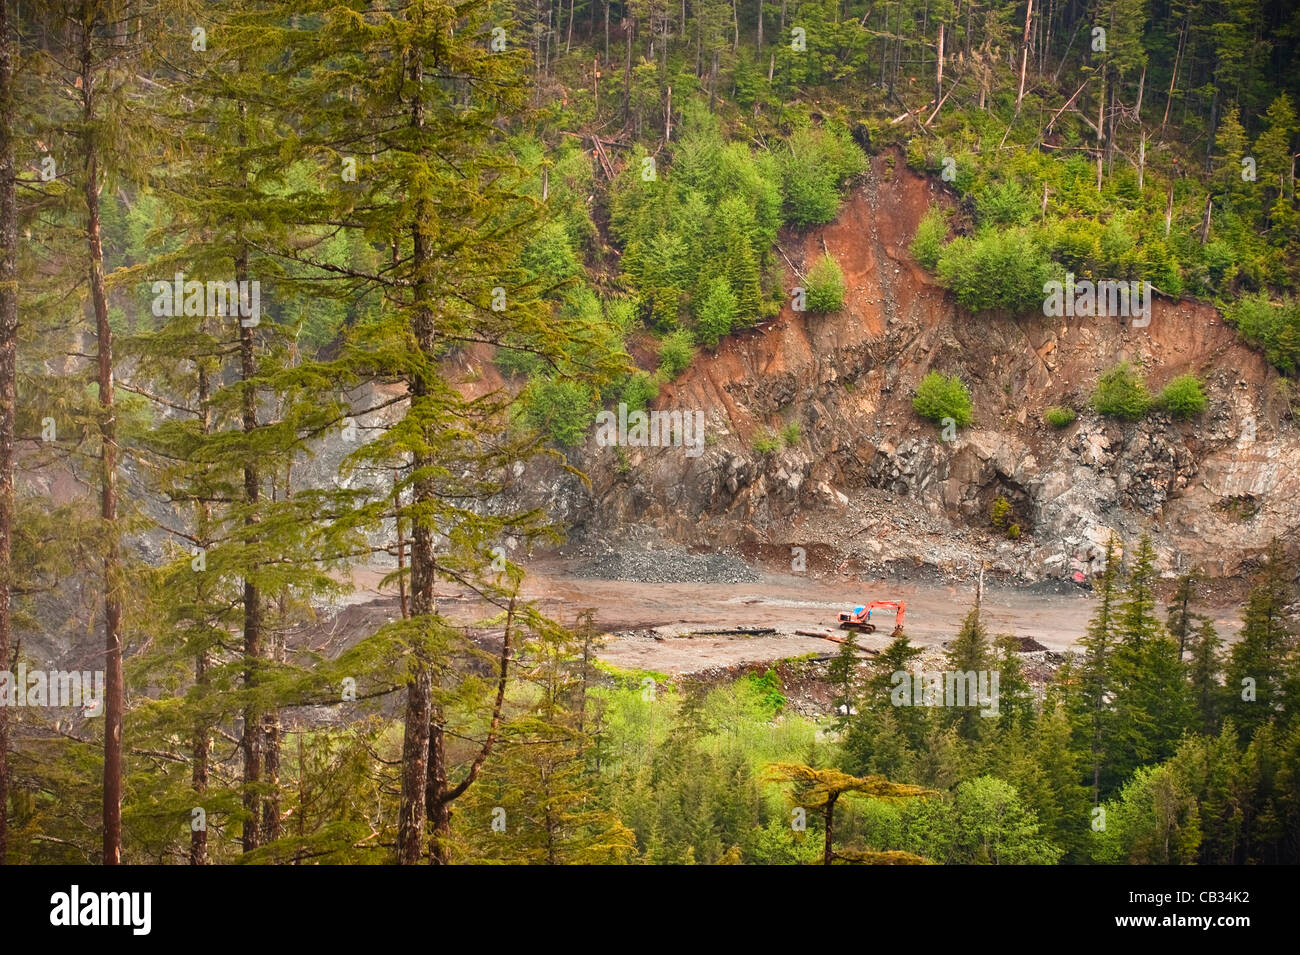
x,y
306,308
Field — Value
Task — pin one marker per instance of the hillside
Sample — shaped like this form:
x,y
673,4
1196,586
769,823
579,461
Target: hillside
x,y
871,484
627,432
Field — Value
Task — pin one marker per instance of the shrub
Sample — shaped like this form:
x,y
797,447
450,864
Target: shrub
x,y
814,165
716,313
675,353
563,410
942,396
638,390
791,434
1272,328
1013,531
766,443
825,286
996,270
1182,397
1005,203
999,511
930,236
1059,417
1121,393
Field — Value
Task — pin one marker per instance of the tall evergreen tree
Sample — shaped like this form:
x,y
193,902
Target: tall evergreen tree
x,y
1179,619
1152,701
969,652
1090,702
1203,675
8,380
1255,674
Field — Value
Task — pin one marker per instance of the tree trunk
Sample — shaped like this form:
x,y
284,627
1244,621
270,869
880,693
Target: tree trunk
x,y
1173,78
437,796
251,741
938,72
271,753
200,748
199,769
1142,160
1110,132
1024,54
1211,130
627,70
113,687
759,47
8,385
1101,127
419,692
828,853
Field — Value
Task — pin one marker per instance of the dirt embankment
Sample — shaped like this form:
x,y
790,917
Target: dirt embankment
x,y
869,487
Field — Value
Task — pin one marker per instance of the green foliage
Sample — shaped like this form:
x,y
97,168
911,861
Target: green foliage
x,y
984,821
792,434
1273,327
1059,417
996,269
675,353
931,233
1153,821
1005,204
561,409
765,442
815,163
1255,675
768,687
716,313
1151,699
998,512
825,292
1182,397
1121,393
638,390
514,363
941,396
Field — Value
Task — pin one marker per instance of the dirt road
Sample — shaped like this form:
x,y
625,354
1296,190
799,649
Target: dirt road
x,y
659,626
787,603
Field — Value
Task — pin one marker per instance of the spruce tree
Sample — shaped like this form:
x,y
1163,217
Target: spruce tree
x,y
1179,619
8,380
1203,675
427,102
1089,700
1256,670
1152,701
969,652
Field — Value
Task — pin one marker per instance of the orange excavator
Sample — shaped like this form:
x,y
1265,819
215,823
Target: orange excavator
x,y
859,618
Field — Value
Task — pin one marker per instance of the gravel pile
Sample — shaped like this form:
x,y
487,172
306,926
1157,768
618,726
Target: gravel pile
x,y
666,566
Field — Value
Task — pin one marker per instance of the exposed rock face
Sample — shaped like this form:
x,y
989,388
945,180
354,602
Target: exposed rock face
x,y
874,484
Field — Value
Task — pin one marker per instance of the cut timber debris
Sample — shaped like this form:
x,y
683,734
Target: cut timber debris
x,y
834,638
